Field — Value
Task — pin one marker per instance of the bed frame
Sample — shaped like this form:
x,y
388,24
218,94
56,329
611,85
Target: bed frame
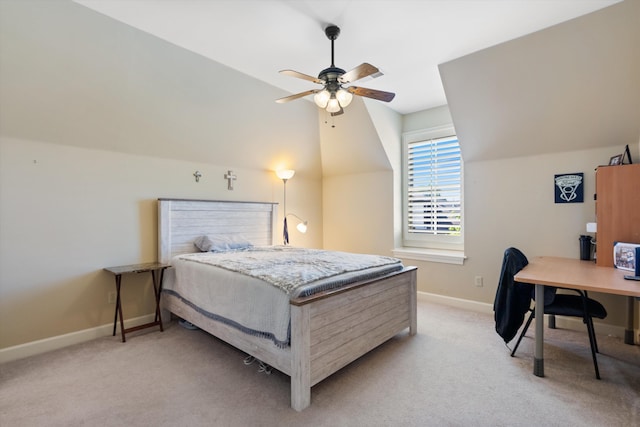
x,y
328,330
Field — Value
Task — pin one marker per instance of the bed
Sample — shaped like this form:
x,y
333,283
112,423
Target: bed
x,y
328,329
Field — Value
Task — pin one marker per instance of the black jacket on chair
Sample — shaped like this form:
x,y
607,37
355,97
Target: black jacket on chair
x,y
513,299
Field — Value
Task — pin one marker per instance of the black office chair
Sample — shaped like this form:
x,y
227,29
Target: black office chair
x,y
575,306
555,304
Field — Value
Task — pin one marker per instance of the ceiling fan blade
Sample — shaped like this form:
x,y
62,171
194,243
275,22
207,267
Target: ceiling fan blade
x,y
302,76
361,71
296,96
380,95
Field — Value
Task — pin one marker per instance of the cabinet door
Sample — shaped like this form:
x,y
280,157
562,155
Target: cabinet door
x,y
617,209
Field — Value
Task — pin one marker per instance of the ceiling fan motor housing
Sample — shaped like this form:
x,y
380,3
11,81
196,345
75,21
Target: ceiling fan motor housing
x,y
330,77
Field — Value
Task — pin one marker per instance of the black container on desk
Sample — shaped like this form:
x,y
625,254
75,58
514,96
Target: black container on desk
x,y
585,247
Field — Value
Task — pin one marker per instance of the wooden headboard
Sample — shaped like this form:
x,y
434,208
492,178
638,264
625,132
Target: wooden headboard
x,y
181,221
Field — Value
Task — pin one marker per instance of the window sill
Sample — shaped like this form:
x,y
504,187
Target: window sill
x,y
431,255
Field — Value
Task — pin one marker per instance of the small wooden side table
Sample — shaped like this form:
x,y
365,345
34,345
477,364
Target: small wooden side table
x,y
156,269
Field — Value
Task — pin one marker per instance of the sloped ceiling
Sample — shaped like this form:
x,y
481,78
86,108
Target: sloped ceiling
x,y
569,87
69,75
407,39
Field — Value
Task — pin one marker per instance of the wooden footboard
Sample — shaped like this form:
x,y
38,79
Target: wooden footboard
x,y
331,330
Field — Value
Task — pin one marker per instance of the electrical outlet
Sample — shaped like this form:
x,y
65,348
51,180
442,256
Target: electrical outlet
x,y
111,297
478,281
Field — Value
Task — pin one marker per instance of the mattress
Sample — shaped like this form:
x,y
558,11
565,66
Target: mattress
x,y
250,289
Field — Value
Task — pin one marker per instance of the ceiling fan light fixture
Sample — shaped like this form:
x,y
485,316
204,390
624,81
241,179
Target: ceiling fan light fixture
x,y
333,97
344,97
333,106
322,98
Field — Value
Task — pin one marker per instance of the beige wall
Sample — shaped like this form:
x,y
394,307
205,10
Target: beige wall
x,y
510,202
358,178
528,218
361,177
68,212
358,212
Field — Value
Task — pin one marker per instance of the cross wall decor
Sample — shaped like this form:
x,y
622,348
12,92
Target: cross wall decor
x,y
230,177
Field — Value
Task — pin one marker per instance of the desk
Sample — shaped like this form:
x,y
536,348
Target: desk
x,y
574,274
118,271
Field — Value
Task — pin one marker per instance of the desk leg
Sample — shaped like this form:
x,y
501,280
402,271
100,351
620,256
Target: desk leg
x,y
115,311
119,308
628,332
156,290
538,361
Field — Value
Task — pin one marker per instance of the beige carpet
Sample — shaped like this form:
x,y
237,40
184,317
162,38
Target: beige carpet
x,y
455,372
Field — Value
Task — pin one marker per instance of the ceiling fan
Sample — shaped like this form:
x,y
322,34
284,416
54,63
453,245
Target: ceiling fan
x,y
333,96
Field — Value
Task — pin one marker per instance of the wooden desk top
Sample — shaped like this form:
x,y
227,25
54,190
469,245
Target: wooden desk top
x,y
577,274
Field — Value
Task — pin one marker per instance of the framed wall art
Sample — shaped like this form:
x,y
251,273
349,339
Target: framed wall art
x,y
569,188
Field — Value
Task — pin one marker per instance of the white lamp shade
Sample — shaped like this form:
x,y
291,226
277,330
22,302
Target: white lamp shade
x,y
344,97
322,98
333,106
302,227
285,173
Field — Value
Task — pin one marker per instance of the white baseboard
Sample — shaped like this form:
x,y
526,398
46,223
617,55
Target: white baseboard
x,y
480,307
48,344
572,323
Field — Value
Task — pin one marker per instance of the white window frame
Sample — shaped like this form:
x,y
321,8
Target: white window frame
x,y
441,248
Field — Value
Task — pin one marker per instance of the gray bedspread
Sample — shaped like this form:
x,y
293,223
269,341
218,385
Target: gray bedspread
x,y
299,271
250,289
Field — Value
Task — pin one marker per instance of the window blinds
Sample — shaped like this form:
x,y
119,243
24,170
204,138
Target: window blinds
x,y
434,187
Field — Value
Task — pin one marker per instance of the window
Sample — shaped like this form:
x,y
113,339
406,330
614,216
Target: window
x,y
432,190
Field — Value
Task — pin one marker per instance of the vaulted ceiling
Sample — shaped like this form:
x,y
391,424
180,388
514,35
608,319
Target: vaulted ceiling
x,y
406,39
72,75
570,87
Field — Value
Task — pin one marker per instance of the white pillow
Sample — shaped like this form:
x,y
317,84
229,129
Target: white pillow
x,y
238,242
221,243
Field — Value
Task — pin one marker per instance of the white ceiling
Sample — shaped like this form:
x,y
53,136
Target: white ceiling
x,y
406,39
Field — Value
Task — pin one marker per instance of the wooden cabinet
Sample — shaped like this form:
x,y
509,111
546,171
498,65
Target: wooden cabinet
x,y
617,209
